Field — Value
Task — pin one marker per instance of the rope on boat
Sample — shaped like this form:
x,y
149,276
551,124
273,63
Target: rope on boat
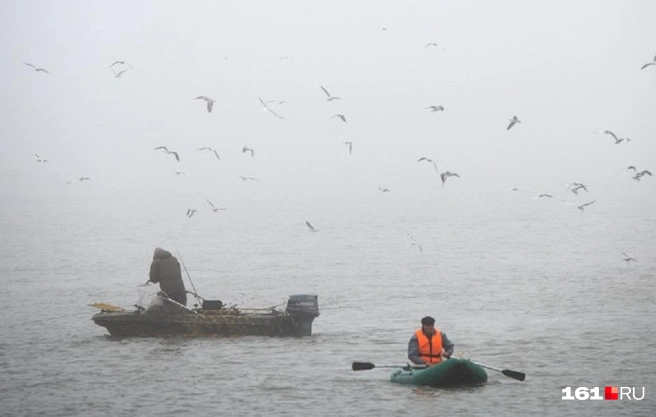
x,y
189,276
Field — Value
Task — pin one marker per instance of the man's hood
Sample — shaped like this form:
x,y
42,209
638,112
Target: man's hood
x,y
161,254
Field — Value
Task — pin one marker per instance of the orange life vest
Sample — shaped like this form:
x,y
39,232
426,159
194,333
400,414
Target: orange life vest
x,y
430,349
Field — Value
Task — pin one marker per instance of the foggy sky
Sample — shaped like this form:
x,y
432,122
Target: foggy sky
x,y
566,69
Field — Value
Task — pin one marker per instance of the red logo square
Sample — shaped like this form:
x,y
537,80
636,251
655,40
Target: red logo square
x,y
610,393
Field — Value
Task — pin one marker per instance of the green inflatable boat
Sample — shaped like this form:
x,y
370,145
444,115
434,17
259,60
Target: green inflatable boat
x,y
451,372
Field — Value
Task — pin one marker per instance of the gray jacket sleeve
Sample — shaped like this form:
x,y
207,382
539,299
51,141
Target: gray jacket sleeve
x,y
413,351
447,344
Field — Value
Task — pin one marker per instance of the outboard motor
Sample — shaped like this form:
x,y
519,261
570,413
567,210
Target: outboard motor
x,y
305,308
212,305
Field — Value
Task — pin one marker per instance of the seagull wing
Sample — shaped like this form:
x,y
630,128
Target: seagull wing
x,y
309,225
274,113
210,203
608,132
325,91
29,65
162,147
210,104
414,242
176,155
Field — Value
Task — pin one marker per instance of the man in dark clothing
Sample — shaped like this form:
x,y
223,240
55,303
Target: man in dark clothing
x,y
165,269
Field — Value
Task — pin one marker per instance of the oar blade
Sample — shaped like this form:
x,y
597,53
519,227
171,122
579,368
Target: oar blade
x,y
362,366
520,376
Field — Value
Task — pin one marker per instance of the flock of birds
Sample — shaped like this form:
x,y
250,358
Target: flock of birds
x,y
119,68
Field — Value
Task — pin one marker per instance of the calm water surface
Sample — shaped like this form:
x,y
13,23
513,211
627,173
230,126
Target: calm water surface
x,y
529,285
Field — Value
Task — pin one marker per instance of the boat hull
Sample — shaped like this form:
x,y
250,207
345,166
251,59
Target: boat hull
x,y
451,372
167,318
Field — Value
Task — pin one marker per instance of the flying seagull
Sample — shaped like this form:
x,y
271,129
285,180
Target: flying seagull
x,y
653,62
39,159
268,110
177,171
640,174
312,229
247,149
542,195
165,149
423,158
436,108
214,208
430,44
111,67
341,116
80,179
248,178
207,148
617,140
628,259
637,174
582,206
385,189
576,186
513,122
330,97
191,212
445,176
37,69
209,101
413,242
350,146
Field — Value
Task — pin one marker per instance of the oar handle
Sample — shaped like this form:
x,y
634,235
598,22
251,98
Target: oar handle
x,y
365,366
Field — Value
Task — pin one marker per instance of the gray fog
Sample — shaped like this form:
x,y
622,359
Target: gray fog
x,y
568,71
488,163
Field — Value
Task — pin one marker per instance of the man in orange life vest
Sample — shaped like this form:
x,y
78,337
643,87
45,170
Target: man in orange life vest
x,y
429,345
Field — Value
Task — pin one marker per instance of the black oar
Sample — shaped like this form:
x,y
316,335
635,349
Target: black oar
x,y
520,376
365,366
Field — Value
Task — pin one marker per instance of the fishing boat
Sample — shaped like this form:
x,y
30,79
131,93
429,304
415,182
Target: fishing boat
x,y
165,317
451,372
